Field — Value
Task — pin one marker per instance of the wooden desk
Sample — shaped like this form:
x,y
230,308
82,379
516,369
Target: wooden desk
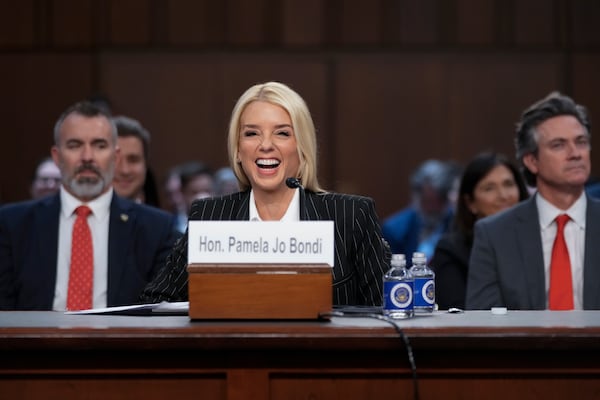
x,y
475,355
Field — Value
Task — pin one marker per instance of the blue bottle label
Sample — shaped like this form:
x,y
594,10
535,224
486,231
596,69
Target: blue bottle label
x,y
397,295
424,292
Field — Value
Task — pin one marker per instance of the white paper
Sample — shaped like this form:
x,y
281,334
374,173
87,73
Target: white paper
x,y
155,308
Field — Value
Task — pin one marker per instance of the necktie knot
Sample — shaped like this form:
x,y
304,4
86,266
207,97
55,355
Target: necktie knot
x,y
83,211
561,221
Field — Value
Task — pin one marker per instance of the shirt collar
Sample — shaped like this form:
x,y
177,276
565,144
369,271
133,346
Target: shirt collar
x,y
548,212
100,206
292,213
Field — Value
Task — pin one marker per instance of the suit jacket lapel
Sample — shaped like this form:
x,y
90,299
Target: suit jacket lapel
x,y
241,207
120,234
311,206
530,254
591,269
46,229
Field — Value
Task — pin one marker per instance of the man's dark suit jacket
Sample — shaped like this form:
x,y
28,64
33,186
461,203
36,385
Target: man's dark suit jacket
x,y
360,256
140,238
506,267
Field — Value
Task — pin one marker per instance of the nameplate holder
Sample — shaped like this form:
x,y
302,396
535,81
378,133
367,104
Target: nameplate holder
x,y
260,270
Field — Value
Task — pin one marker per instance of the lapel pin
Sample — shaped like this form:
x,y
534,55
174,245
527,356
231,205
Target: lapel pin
x,y
124,217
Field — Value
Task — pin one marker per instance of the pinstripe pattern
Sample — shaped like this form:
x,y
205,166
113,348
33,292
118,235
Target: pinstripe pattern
x,y
360,257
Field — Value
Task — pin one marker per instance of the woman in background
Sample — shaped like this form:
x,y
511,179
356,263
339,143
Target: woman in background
x,y
490,183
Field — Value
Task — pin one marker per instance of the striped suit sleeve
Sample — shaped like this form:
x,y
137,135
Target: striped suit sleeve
x,y
171,282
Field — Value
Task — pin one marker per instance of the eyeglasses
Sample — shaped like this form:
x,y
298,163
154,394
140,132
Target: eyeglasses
x,y
47,180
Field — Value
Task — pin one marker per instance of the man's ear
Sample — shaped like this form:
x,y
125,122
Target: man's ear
x,y
54,154
531,163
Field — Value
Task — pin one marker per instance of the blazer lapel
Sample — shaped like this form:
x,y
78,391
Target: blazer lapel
x,y
312,207
530,253
241,206
120,234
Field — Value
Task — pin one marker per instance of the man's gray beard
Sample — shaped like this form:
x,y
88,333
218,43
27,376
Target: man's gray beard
x,y
86,188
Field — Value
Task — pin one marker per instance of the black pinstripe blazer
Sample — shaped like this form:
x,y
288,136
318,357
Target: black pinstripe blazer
x,y
361,258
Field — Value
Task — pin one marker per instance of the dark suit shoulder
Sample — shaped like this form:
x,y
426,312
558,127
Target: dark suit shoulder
x,y
151,212
524,210
144,211
218,208
19,210
341,197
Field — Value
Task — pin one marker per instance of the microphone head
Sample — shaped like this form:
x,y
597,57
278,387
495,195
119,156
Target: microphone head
x,y
293,183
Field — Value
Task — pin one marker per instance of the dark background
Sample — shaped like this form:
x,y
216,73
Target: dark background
x,y
389,83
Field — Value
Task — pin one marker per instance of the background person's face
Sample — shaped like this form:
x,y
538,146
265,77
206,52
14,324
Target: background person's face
x,y
496,191
47,180
130,171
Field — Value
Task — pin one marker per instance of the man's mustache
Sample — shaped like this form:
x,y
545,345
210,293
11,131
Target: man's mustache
x,y
88,167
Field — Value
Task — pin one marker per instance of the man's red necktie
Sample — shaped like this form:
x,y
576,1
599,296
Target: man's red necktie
x,y
561,283
81,273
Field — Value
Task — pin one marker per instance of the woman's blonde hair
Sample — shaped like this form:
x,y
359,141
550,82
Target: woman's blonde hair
x,y
304,129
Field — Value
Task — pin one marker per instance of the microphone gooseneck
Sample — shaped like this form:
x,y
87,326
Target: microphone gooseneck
x,y
293,183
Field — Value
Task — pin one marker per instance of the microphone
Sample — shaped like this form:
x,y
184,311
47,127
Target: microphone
x,y
293,183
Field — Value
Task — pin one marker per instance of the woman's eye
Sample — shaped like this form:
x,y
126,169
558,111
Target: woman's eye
x,y
283,133
249,133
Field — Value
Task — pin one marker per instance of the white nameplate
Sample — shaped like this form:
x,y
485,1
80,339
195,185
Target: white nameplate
x,y
257,242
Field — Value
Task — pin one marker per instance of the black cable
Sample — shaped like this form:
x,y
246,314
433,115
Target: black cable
x,y
391,321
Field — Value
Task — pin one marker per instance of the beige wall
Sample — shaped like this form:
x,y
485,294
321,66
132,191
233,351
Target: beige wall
x,y
390,82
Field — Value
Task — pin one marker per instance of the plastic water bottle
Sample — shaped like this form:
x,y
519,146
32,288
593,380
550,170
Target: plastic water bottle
x,y
398,290
424,285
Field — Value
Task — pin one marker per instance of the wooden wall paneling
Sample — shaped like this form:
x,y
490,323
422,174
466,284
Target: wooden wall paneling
x,y
17,24
419,21
536,23
586,87
36,90
504,22
130,22
391,22
585,18
71,23
178,97
390,116
196,22
249,22
488,93
361,22
303,23
475,22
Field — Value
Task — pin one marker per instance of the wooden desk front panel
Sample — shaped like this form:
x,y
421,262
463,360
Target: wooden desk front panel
x,y
293,360
288,374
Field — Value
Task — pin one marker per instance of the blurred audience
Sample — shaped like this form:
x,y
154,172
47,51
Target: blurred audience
x,y
197,182
174,197
419,226
225,182
46,180
489,184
